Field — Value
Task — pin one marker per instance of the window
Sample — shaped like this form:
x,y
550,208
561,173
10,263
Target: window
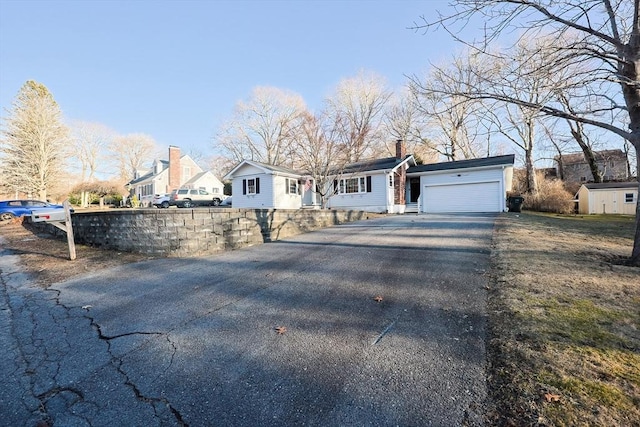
x,y
354,185
583,179
629,197
291,186
251,186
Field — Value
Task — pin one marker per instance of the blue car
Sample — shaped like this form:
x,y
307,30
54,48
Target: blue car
x,y
10,209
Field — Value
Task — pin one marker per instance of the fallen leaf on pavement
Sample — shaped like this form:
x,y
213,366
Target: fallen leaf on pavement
x,y
281,330
378,298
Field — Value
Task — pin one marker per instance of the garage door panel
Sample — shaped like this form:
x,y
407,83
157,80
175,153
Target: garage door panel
x,y
476,197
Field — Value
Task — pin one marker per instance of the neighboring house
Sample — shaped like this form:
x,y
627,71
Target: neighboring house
x,y
608,198
168,175
612,165
394,185
205,181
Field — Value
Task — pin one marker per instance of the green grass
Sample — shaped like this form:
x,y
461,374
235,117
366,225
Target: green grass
x,y
581,322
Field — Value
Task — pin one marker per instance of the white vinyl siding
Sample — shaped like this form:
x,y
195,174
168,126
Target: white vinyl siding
x,y
373,201
261,200
286,192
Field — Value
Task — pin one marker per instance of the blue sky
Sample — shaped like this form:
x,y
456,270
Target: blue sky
x,y
175,69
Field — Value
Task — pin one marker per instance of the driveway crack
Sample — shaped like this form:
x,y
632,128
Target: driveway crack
x,y
118,364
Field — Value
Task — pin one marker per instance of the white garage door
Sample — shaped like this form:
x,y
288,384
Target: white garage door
x,y
477,197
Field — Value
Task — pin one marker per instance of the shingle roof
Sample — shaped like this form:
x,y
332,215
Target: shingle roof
x,y
142,178
196,177
373,165
574,158
606,185
465,164
280,169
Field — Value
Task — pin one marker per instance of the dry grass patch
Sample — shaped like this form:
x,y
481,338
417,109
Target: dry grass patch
x,y
46,257
564,322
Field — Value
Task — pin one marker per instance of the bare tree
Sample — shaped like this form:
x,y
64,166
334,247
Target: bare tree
x,y
262,127
455,119
319,154
404,121
603,36
356,110
90,142
34,144
219,165
130,151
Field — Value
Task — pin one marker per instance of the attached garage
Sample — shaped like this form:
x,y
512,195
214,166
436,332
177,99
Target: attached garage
x,y
474,197
477,185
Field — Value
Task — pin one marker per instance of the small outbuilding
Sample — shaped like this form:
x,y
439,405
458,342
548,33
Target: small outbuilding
x,y
608,198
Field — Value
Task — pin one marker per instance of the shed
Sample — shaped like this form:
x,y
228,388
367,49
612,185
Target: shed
x,y
608,198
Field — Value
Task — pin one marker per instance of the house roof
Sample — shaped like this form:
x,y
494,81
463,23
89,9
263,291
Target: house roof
x,y
142,178
578,157
507,160
375,164
268,169
609,185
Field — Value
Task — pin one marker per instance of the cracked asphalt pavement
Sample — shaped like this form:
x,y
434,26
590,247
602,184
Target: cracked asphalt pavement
x,y
384,323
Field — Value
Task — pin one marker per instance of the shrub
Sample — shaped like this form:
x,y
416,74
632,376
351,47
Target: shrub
x,y
550,197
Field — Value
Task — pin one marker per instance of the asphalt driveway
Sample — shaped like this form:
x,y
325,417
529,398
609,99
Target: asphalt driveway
x,y
194,341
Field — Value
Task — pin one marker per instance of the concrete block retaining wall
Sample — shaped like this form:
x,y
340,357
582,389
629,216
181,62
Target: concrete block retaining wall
x,y
189,232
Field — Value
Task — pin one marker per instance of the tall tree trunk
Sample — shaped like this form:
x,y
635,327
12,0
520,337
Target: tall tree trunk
x,y
629,70
578,134
635,253
532,184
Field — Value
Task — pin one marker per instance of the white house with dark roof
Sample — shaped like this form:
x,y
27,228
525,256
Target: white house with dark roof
x,y
261,186
394,184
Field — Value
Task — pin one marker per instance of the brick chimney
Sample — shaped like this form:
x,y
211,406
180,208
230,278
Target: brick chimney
x,y
401,150
174,168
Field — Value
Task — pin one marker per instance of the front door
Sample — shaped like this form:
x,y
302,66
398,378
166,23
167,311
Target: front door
x,y
414,189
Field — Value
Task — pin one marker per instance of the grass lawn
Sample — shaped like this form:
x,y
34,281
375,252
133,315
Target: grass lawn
x,y
564,317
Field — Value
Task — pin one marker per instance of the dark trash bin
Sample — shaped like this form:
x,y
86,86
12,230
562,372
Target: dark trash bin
x,y
514,203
